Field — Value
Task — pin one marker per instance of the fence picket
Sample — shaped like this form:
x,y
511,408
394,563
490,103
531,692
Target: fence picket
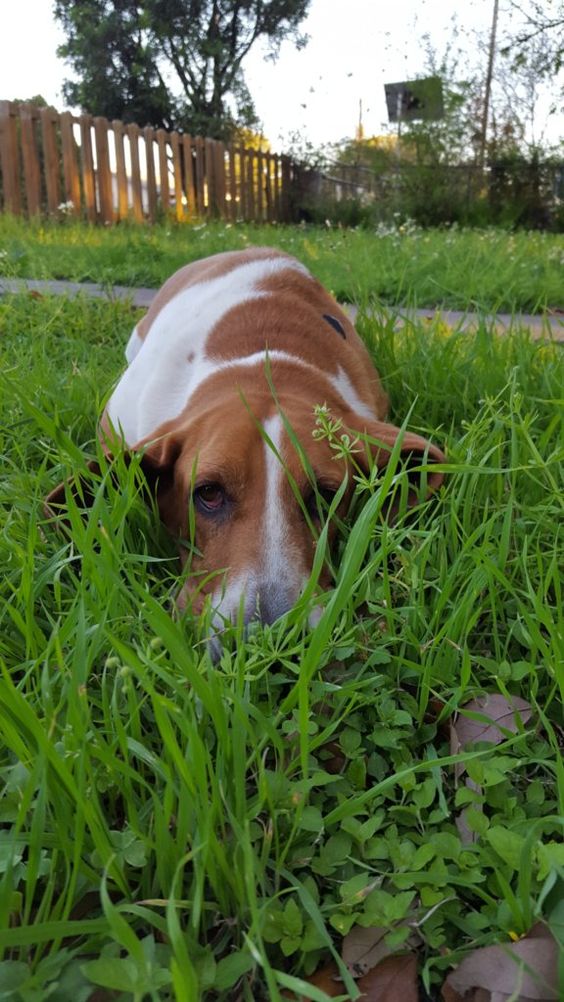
x,y
70,167
189,184
121,172
51,159
136,188
87,166
9,158
30,157
149,135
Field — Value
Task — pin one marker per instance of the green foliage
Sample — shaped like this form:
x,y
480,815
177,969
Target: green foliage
x,y
191,830
124,53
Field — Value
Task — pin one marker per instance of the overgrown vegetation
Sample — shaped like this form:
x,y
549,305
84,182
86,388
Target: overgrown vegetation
x,y
398,264
173,829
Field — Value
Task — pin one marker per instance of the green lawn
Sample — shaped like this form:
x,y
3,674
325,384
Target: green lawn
x,y
491,269
176,830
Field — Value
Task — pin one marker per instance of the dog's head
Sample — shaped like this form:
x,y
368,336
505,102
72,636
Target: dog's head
x,y
248,488
244,482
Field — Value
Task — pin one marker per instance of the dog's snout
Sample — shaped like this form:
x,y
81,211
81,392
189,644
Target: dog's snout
x,y
271,602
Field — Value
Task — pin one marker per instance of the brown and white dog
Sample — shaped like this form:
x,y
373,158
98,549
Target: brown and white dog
x,y
197,397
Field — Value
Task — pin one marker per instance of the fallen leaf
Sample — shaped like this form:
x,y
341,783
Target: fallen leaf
x,y
467,835
478,995
500,713
497,715
364,948
392,980
525,971
327,978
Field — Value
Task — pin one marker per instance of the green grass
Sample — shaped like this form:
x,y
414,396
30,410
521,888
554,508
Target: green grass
x,y
173,829
491,269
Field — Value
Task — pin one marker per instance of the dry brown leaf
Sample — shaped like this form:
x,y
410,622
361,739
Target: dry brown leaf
x,y
478,995
364,948
327,978
500,714
392,980
525,971
467,836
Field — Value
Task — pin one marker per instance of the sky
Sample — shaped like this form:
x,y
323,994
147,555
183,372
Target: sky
x,y
355,47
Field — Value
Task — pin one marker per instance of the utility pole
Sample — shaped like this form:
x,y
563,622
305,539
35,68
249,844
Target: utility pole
x,y
488,88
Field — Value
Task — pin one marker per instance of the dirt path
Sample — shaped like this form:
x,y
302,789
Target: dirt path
x,y
549,325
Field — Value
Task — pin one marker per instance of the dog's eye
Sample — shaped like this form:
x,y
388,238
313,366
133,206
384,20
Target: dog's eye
x,y
314,500
209,497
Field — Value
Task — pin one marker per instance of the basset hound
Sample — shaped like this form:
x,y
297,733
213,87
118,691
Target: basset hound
x,y
224,373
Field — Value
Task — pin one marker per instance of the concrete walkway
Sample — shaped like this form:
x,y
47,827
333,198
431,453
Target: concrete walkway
x,y
549,324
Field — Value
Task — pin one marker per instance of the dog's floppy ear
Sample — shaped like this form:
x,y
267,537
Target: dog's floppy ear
x,y
158,462
415,452
80,486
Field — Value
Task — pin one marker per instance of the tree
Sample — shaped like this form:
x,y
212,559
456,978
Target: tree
x,y
538,36
171,63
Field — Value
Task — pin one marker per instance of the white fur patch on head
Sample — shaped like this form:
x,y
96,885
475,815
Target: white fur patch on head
x,y
346,390
171,363
270,588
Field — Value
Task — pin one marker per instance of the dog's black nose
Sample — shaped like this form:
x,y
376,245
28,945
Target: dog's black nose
x,y
272,601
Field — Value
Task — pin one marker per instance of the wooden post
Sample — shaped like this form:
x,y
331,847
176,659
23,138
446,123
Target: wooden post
x,y
9,158
104,177
70,168
149,135
268,187
121,173
136,190
177,174
242,185
189,186
260,186
164,186
51,159
210,177
232,184
277,200
200,176
221,183
88,174
286,189
250,183
30,158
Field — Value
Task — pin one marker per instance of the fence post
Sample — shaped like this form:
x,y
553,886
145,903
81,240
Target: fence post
x,y
189,183
104,176
177,174
149,135
286,189
163,172
232,184
136,191
30,158
121,173
87,164
9,158
199,164
51,159
70,170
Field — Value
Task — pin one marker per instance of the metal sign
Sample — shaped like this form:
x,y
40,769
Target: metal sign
x,y
415,99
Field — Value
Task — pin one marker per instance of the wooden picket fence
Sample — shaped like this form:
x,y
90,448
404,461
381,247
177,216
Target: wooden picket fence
x,y
55,164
